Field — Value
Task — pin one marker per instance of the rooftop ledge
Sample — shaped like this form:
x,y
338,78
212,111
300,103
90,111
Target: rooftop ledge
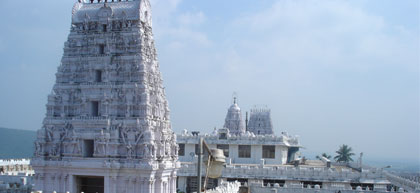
x,y
103,1
266,139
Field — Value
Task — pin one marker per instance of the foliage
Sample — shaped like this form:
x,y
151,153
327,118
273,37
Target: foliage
x,y
344,154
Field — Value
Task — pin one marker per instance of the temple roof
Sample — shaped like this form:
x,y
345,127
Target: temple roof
x,y
260,121
233,120
123,9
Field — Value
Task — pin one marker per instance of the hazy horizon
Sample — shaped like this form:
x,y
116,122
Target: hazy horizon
x,y
333,72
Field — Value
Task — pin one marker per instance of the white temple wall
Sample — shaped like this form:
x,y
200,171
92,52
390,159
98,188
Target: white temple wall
x,y
280,156
256,154
133,181
188,149
233,154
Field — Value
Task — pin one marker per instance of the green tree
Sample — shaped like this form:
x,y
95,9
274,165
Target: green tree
x,y
323,155
344,154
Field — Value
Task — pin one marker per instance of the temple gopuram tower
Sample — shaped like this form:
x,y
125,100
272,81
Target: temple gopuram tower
x,y
260,122
107,127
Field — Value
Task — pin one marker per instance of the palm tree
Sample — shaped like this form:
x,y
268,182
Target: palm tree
x,y
323,155
344,154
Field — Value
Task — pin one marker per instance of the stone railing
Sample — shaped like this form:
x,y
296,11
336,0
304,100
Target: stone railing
x,y
394,179
276,188
90,118
244,139
402,182
285,172
104,83
4,162
15,167
104,1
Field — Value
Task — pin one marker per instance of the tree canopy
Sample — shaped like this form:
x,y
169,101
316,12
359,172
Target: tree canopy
x,y
344,154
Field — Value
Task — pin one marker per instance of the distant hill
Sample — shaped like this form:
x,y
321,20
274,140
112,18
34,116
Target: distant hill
x,y
16,143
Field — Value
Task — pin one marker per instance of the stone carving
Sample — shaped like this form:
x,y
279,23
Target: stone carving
x,y
131,139
130,151
74,142
185,132
166,145
101,143
150,151
55,150
49,133
214,133
41,134
124,132
108,91
38,149
174,145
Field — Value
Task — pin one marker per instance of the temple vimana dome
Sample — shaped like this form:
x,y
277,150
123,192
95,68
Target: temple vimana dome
x,y
107,126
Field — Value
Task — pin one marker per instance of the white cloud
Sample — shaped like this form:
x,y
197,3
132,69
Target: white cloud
x,y
178,29
322,66
322,33
333,64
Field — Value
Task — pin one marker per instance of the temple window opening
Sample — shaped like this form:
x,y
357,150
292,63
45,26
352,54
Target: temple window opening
x,y
244,151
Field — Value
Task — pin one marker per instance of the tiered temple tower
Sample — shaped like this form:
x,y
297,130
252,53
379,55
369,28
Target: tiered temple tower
x,y
260,122
233,120
107,127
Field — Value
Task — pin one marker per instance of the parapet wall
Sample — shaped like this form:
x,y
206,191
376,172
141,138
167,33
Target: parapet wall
x,y
16,167
4,162
289,173
245,139
295,189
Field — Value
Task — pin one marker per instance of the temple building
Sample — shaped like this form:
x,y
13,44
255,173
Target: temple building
x,y
260,122
256,146
233,120
265,162
107,126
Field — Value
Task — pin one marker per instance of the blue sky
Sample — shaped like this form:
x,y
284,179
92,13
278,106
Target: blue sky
x,y
331,71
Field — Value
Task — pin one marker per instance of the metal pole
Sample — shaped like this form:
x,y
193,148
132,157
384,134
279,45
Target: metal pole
x,y
200,153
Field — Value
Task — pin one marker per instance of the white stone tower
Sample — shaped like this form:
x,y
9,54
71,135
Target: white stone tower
x,y
233,120
260,122
107,127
